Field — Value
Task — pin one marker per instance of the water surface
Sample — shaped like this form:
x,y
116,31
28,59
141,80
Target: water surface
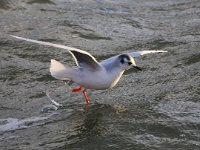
x,y
157,108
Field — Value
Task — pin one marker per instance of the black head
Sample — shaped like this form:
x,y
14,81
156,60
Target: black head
x,y
125,59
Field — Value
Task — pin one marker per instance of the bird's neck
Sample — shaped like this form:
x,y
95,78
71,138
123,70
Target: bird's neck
x,y
116,77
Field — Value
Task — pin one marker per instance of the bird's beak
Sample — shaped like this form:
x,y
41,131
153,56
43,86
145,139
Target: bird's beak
x,y
138,68
132,63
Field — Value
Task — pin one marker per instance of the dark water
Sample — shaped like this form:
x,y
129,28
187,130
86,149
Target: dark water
x,y
157,108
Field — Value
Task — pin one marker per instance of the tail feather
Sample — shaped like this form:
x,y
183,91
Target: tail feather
x,y
59,71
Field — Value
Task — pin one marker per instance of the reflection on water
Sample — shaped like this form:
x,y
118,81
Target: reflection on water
x,y
156,108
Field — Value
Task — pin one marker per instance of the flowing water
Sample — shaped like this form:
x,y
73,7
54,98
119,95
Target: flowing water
x,y
156,108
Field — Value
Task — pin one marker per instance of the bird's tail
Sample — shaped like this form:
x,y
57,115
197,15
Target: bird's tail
x,y
59,71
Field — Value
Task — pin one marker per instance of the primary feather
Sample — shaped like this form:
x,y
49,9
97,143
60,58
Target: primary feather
x,y
78,54
140,53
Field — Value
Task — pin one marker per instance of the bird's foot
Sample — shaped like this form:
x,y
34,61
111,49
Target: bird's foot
x,y
85,96
78,89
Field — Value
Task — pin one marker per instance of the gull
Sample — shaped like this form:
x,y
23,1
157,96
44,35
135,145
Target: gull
x,y
89,73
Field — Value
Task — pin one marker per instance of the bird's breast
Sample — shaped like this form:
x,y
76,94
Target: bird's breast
x,y
99,80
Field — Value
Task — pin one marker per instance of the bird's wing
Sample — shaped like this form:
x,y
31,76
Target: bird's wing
x,y
108,61
82,58
140,53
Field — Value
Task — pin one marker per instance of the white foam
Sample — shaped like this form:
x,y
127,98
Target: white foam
x,y
10,124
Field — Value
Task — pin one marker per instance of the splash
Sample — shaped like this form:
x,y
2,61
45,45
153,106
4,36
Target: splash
x,y
10,124
60,92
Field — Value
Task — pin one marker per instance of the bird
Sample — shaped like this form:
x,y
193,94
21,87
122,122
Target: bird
x,y
89,73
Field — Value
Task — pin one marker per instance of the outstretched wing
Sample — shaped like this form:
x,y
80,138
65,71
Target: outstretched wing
x,y
140,53
82,58
106,62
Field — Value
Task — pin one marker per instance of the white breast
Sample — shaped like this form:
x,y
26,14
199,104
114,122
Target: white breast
x,y
99,80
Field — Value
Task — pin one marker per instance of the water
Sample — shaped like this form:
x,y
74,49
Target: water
x,y
157,108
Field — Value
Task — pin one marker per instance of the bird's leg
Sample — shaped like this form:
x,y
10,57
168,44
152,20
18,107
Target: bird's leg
x,y
85,96
78,89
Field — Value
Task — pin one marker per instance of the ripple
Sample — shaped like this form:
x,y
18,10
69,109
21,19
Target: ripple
x,y
41,2
183,111
90,36
4,4
10,124
193,59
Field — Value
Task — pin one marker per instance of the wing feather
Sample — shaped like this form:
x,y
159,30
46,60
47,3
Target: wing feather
x,y
81,57
141,53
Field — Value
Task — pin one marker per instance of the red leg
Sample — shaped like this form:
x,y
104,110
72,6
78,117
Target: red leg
x,y
77,89
85,96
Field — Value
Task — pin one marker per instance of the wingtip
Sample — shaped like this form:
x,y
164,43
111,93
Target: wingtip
x,y
17,37
11,35
162,51
159,51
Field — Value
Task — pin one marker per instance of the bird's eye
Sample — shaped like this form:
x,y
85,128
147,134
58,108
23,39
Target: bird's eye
x,y
129,63
122,61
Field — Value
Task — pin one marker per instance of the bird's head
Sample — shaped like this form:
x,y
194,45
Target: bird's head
x,y
127,61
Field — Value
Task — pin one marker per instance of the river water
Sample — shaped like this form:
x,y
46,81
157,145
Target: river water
x,y
156,108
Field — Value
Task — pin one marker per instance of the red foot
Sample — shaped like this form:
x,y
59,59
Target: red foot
x,y
85,96
77,89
